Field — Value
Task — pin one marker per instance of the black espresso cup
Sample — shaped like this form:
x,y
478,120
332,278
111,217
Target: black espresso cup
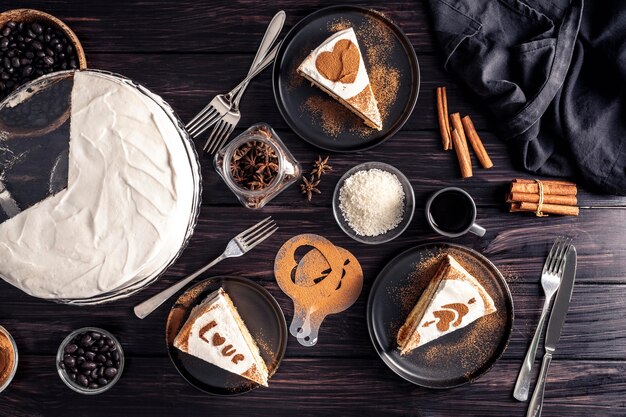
x,y
451,212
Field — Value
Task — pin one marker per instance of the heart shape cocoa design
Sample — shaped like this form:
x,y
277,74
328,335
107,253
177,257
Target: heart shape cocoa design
x,y
342,64
218,339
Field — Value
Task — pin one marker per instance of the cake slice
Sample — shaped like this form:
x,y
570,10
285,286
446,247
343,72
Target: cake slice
x,y
337,67
215,333
452,300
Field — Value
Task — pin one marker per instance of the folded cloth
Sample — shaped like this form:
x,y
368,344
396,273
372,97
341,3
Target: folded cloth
x,y
553,73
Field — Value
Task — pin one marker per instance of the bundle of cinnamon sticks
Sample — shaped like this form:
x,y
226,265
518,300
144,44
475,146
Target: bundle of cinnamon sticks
x,y
543,197
457,137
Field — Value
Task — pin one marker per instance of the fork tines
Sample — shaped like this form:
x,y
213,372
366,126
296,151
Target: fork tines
x,y
556,257
218,136
205,119
257,233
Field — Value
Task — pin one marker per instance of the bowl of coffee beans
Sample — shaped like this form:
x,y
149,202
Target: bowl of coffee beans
x,y
90,360
32,44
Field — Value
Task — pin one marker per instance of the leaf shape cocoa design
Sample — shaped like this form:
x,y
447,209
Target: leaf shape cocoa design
x,y
461,310
471,301
218,339
428,323
228,350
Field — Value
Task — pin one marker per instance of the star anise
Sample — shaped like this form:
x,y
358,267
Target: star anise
x,y
321,167
254,165
309,186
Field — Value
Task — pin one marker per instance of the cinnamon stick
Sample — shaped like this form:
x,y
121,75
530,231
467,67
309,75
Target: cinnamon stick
x,y
462,153
455,120
546,208
444,97
549,187
564,200
476,143
443,116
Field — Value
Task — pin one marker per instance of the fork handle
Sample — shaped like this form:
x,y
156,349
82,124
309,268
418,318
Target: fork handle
x,y
144,309
536,402
269,58
271,33
522,386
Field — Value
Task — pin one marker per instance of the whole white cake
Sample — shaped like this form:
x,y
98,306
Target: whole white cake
x,y
126,210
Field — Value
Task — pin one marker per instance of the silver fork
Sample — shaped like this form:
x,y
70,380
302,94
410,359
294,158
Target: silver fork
x,y
238,246
221,103
550,281
224,127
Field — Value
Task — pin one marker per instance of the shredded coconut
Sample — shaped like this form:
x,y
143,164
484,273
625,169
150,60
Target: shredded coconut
x,y
372,202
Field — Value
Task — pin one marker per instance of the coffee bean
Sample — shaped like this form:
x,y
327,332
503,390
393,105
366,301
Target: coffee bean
x,y
86,340
12,24
116,355
70,361
109,363
94,374
15,62
6,31
101,358
90,356
95,335
88,365
37,45
102,381
4,43
36,27
110,372
82,380
73,376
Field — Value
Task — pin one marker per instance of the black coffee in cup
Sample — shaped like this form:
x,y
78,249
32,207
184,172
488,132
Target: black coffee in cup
x,y
452,212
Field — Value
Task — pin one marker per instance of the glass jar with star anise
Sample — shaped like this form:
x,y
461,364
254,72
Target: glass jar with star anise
x,y
257,166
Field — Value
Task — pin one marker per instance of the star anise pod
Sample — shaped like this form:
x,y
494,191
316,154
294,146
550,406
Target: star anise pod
x,y
309,186
321,167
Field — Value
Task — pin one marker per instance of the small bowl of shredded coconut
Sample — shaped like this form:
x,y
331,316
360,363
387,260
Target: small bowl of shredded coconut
x,y
373,203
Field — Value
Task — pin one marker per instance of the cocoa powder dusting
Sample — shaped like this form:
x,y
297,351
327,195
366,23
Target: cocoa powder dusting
x,y
377,42
480,339
7,357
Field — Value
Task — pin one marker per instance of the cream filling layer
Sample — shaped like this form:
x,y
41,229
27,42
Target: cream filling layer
x,y
125,212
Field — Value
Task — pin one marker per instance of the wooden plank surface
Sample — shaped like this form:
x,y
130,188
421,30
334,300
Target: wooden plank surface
x,y
189,50
323,386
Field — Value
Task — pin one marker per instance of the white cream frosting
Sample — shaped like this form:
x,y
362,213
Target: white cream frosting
x,y
450,292
127,207
344,91
215,308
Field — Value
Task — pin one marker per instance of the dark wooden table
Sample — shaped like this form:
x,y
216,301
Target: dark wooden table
x,y
189,50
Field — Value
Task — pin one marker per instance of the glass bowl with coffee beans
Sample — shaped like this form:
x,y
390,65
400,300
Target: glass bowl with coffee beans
x,y
257,166
90,360
32,44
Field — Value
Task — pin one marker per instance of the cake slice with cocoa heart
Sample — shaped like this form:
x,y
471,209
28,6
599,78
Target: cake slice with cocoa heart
x,y
452,300
337,67
215,333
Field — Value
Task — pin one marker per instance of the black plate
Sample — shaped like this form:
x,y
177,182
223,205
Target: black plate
x,y
451,360
263,317
309,33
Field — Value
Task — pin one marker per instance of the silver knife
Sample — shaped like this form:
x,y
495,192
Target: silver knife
x,y
557,318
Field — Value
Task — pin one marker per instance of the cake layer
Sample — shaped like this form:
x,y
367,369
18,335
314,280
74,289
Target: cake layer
x,y
215,333
452,300
338,68
127,207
